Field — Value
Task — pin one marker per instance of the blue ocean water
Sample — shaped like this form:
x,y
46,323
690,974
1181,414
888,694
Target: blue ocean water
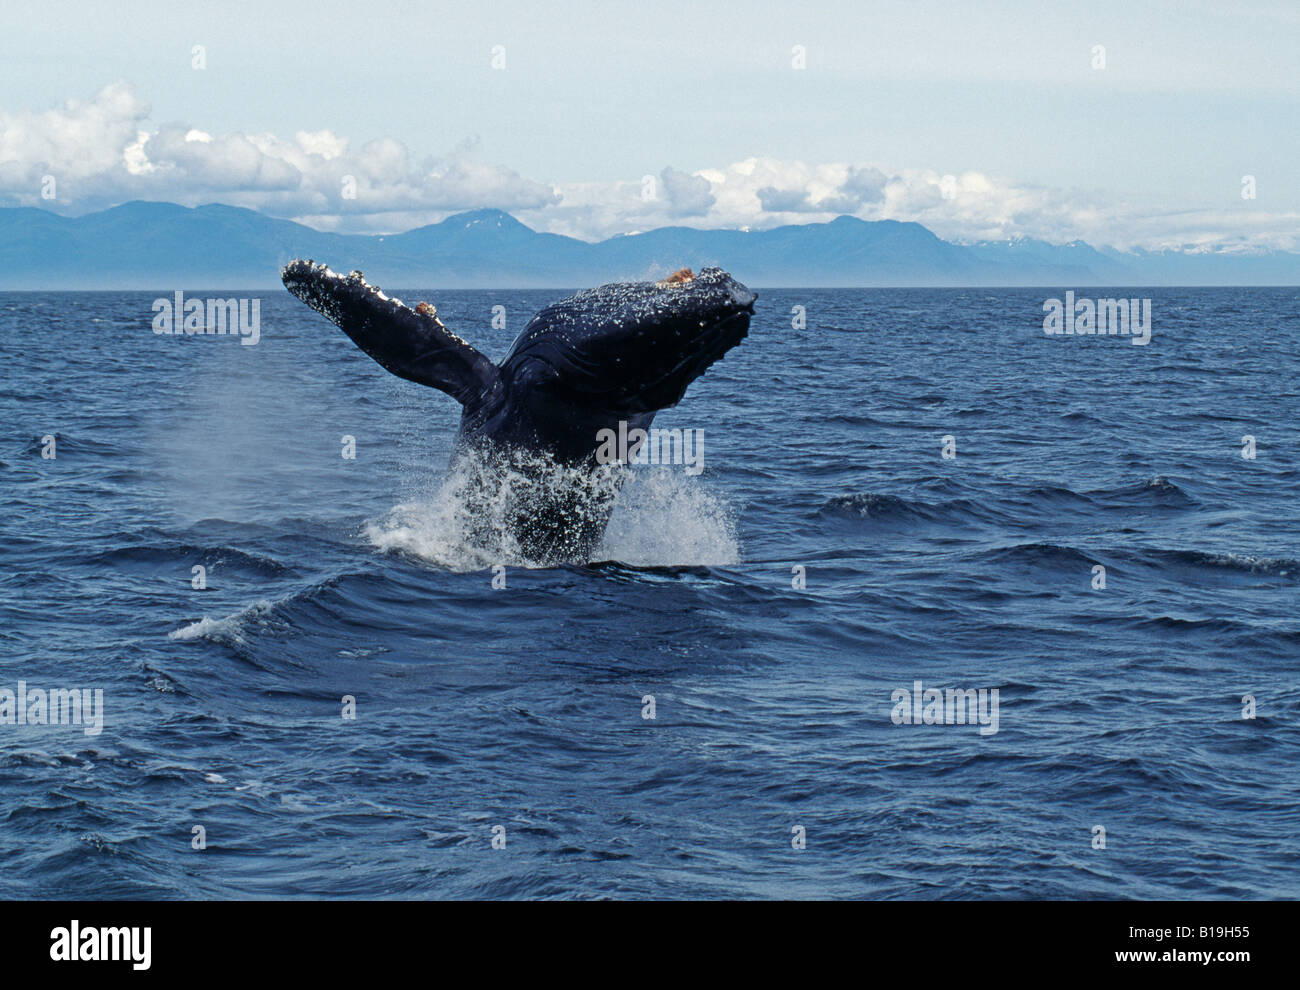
x,y
519,711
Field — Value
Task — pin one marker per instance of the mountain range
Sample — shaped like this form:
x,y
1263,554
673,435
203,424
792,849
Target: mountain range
x,y
142,245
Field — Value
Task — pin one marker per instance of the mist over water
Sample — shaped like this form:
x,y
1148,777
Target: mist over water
x,y
523,706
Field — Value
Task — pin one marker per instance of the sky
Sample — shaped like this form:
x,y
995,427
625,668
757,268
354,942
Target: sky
x,y
1130,124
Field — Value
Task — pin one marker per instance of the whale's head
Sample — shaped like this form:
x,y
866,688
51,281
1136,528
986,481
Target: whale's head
x,y
630,348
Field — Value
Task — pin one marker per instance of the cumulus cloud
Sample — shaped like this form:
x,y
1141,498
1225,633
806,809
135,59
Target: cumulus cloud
x,y
688,195
760,193
107,150
83,138
857,188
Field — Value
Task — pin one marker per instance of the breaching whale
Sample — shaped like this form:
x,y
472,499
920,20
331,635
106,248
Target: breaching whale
x,y
615,354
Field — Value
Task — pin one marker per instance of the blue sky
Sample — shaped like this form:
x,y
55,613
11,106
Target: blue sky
x,y
1001,97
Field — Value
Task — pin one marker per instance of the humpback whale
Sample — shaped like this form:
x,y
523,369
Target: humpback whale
x,y
614,354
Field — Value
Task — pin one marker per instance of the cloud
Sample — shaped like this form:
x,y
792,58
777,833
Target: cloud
x,y
107,150
858,188
688,195
760,193
83,138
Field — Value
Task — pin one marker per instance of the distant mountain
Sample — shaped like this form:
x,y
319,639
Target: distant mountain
x,y
1032,261
164,246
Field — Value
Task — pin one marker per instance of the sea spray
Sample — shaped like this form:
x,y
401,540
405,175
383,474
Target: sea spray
x,y
487,499
665,518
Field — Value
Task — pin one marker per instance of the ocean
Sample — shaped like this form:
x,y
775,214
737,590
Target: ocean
x,y
902,491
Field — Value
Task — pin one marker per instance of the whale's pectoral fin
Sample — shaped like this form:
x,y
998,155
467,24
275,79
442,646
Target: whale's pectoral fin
x,y
411,343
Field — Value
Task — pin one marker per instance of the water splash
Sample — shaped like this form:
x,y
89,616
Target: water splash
x,y
228,629
666,518
474,518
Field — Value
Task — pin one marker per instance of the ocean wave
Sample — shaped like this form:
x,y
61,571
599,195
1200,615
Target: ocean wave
x,y
879,507
227,629
1058,494
209,557
1241,563
63,444
1045,554
870,505
1157,491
